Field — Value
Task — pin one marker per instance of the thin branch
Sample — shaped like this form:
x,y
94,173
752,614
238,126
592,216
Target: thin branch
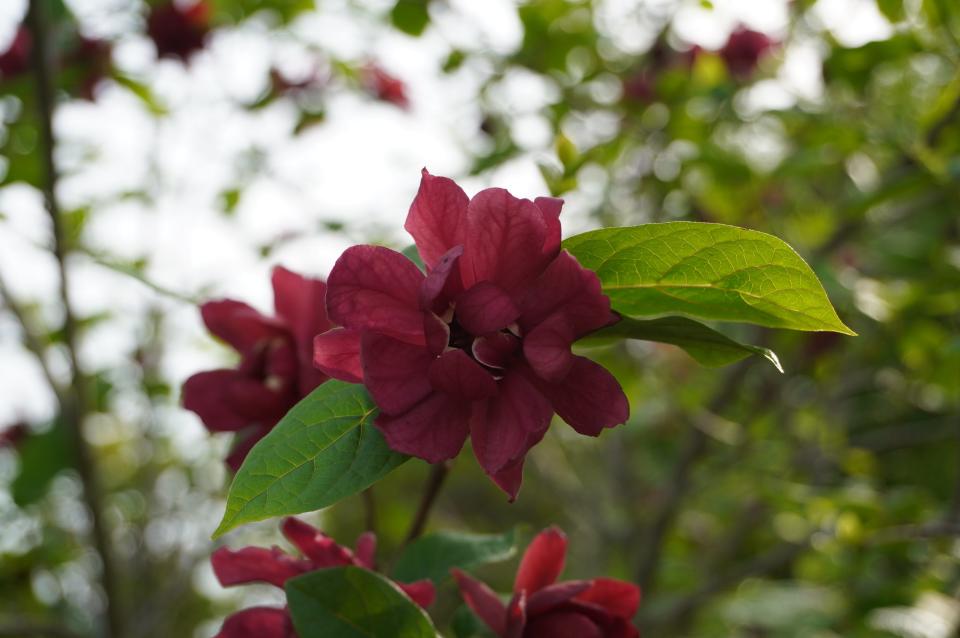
x,y
28,630
30,340
679,482
74,404
438,474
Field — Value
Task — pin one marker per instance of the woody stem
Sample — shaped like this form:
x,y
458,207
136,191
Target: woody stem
x,y
431,489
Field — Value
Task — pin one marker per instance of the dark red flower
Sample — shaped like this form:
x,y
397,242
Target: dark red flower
x,y
480,345
274,566
16,59
384,86
12,435
744,49
178,30
92,57
276,368
543,608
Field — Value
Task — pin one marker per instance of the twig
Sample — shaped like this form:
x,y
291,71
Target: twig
x,y
73,407
30,339
438,474
679,481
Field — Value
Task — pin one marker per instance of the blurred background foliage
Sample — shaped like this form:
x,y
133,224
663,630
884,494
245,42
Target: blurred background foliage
x,y
824,502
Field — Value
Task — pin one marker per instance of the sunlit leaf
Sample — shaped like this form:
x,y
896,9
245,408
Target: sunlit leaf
x,y
434,555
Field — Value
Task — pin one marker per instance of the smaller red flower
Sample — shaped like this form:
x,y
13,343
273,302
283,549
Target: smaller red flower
x,y
16,59
385,87
276,368
543,608
12,436
179,31
274,566
744,49
92,57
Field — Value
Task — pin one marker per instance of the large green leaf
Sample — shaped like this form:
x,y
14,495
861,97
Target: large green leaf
x,y
706,345
42,457
432,556
708,271
324,450
350,602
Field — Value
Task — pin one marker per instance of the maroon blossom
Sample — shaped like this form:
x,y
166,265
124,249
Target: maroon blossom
x,y
13,435
384,86
276,368
744,49
179,30
480,345
543,608
92,56
16,59
274,566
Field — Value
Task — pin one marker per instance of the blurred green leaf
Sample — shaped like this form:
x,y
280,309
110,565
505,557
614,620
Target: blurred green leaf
x,y
324,450
411,16
350,602
42,457
142,92
710,271
706,345
434,555
467,625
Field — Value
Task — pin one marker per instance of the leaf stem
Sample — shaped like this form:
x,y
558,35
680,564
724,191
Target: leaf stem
x,y
73,402
431,489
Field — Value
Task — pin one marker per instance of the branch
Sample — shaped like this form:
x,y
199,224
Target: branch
x,y
438,474
30,340
73,405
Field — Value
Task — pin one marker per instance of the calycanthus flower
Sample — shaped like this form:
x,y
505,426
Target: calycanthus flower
x,y
478,346
276,368
543,608
274,567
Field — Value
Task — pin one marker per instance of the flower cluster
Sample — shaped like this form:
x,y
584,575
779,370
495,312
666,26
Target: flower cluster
x,y
479,346
274,567
276,367
543,608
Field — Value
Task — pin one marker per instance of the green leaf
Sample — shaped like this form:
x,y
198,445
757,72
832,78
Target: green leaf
x,y
708,271
410,16
324,450
466,625
42,456
432,556
350,602
706,345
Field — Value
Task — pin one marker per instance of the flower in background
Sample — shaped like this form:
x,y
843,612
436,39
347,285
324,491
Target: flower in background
x,y
179,30
384,86
480,345
744,50
92,56
16,59
543,608
12,435
275,370
274,566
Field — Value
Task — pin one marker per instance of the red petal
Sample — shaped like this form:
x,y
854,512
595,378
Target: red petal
x,y
434,430
543,561
485,308
239,325
562,624
495,350
301,302
337,353
617,597
437,217
255,565
378,289
556,594
456,374
421,592
482,600
589,398
258,622
547,348
550,207
442,283
227,400
571,289
366,551
500,427
322,550
505,236
395,373
516,616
